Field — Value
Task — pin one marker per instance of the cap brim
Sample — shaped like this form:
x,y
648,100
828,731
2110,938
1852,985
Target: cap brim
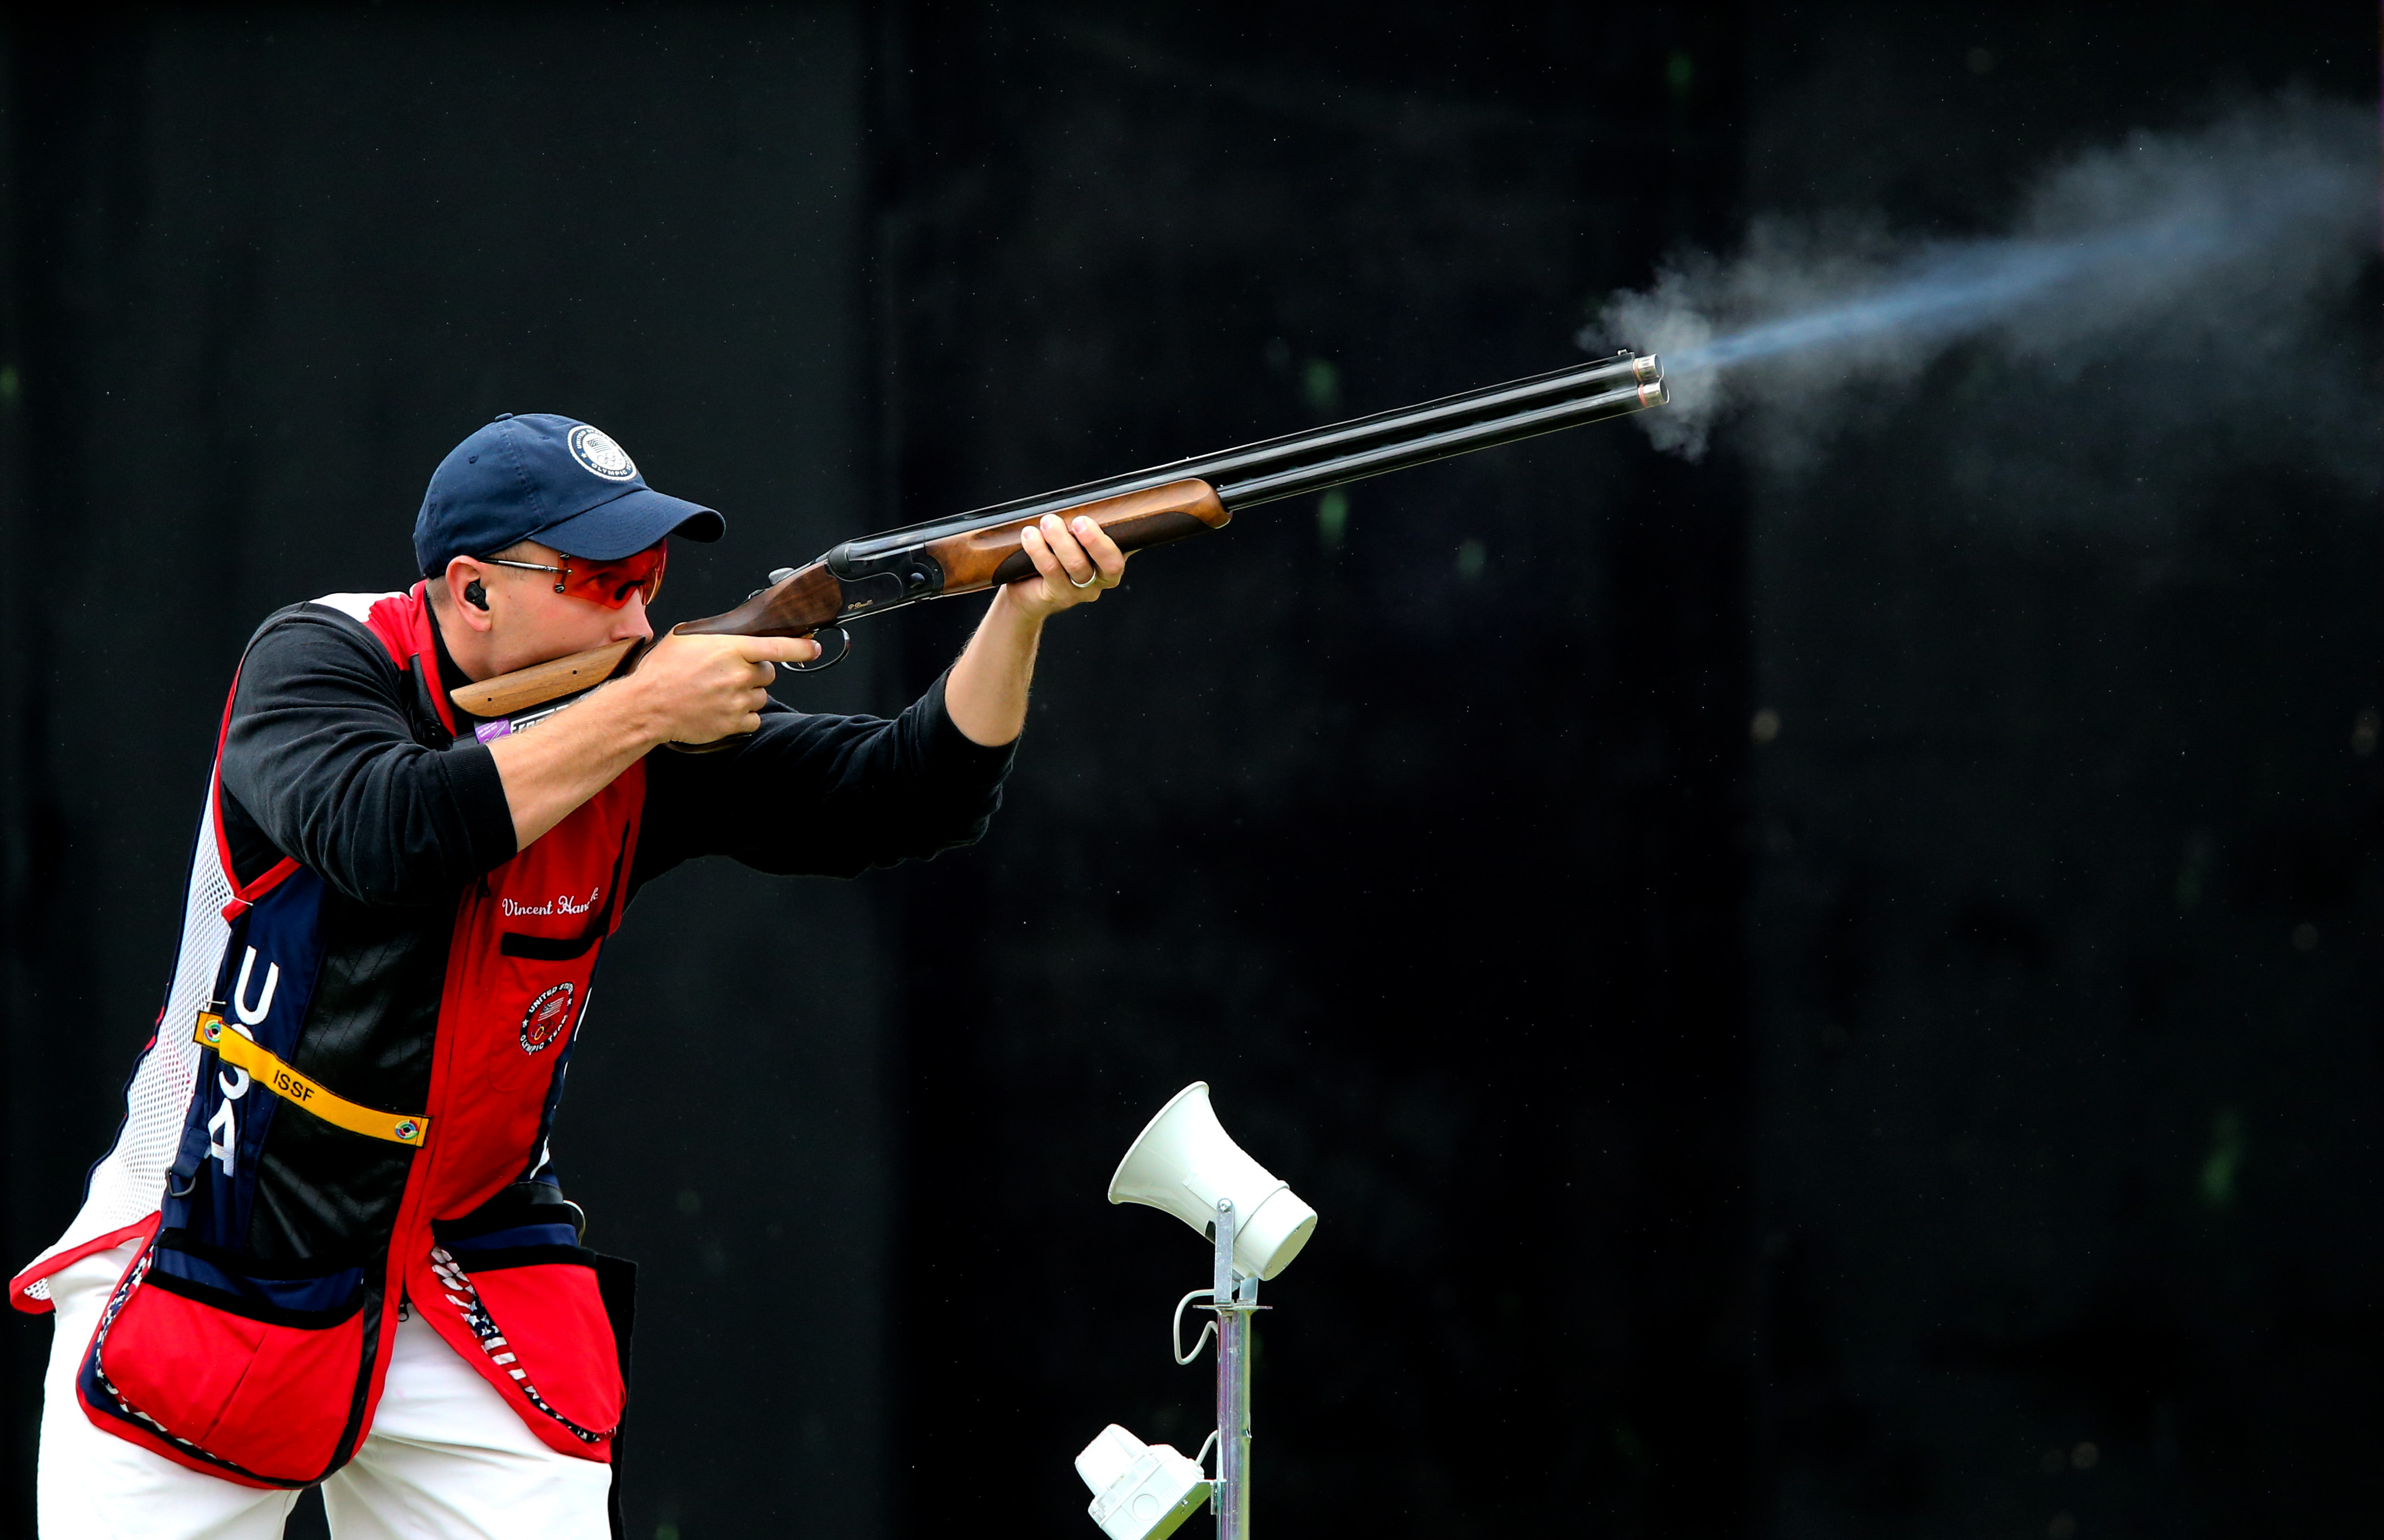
x,y
628,524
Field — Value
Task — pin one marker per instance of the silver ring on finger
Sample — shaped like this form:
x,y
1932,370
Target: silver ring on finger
x,y
1087,582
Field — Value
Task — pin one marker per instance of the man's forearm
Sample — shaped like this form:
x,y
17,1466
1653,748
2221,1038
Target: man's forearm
x,y
555,766
685,689
986,693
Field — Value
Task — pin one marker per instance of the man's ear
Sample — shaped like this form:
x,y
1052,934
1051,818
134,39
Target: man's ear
x,y
467,595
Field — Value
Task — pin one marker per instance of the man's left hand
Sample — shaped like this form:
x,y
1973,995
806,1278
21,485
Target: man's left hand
x,y
1075,562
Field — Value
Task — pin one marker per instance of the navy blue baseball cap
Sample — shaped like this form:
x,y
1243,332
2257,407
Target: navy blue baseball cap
x,y
552,479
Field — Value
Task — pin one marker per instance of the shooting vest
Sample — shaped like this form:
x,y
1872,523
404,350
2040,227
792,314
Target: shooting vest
x,y
419,1124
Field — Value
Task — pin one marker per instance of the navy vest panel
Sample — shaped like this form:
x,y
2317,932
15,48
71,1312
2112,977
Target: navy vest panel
x,y
262,991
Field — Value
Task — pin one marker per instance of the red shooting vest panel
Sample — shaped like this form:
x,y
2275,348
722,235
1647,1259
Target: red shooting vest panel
x,y
535,1327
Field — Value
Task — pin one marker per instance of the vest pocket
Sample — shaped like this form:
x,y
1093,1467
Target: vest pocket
x,y
514,1278
254,1366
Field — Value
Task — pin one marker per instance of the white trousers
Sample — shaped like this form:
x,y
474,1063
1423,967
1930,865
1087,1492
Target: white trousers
x,y
447,1458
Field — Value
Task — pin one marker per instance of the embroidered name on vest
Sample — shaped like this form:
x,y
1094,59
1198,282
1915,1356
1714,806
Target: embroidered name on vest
x,y
562,903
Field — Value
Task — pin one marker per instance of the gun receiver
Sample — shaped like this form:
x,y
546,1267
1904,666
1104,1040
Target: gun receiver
x,y
980,550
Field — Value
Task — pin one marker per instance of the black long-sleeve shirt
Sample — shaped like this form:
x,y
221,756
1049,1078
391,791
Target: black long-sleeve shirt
x,y
324,763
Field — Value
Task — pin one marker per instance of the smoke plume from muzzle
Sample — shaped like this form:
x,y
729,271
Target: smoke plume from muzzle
x,y
2175,277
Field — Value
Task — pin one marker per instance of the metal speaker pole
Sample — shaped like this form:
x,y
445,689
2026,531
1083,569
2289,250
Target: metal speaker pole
x,y
1234,1305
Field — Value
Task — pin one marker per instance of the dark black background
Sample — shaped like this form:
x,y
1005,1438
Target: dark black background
x,y
1828,1137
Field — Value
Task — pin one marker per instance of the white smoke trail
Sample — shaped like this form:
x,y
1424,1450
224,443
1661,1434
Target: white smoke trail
x,y
2193,270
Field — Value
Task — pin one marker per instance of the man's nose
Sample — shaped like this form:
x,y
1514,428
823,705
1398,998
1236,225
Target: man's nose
x,y
632,622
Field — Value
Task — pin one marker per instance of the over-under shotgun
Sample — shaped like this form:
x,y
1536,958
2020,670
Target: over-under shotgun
x,y
981,549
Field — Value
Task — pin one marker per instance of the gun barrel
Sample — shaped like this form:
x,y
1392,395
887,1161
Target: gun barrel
x,y
1322,457
1440,444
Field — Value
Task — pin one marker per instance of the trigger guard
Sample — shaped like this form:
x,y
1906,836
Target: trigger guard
x,y
844,651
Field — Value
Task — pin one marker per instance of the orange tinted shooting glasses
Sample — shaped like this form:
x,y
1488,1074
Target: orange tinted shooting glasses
x,y
606,583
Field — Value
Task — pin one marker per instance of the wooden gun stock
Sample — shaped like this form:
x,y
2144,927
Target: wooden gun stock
x,y
796,606
534,686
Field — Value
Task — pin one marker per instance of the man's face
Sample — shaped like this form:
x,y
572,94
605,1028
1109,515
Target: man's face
x,y
527,622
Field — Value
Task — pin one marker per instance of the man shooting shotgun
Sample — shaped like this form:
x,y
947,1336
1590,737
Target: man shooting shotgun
x,y
331,1244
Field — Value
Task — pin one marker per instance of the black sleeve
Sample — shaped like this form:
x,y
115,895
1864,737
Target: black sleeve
x,y
828,796
322,761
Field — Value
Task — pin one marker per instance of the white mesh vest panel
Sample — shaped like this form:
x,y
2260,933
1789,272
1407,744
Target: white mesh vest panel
x,y
129,1180
126,1184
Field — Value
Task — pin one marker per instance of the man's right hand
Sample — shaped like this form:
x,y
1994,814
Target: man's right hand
x,y
702,688
686,690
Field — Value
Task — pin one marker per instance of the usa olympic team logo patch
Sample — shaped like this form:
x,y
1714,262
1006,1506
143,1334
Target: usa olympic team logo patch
x,y
594,448
546,1018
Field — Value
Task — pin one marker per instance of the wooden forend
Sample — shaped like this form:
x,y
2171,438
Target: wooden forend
x,y
983,558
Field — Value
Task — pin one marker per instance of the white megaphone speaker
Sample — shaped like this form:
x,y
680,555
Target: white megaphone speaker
x,y
1184,1163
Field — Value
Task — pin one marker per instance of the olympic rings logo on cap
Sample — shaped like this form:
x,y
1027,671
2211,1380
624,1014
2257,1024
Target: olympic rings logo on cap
x,y
594,448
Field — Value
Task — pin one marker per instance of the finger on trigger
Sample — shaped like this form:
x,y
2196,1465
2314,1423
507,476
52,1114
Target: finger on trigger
x,y
779,649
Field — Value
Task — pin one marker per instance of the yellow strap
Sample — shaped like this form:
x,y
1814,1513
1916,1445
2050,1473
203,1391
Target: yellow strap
x,y
236,1048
